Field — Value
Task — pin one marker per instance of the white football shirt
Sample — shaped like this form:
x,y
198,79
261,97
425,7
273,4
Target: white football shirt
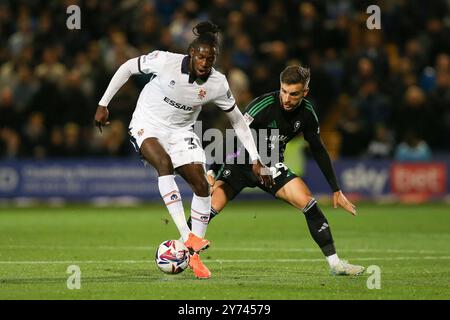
x,y
169,99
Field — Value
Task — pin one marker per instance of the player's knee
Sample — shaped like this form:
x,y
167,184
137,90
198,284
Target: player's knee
x,y
299,197
201,187
304,199
164,166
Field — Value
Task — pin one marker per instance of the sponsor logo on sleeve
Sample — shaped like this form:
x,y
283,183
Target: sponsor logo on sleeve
x,y
248,118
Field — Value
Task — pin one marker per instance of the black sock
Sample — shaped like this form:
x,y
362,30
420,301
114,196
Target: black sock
x,y
212,214
319,228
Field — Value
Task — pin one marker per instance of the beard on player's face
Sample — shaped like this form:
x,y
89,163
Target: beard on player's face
x,y
291,95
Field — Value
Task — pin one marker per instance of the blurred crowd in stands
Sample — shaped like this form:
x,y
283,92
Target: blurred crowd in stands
x,y
378,93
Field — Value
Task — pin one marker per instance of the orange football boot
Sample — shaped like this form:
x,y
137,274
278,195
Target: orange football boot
x,y
199,269
195,243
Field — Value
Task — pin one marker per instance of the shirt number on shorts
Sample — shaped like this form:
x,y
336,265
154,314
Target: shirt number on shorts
x,y
278,169
191,143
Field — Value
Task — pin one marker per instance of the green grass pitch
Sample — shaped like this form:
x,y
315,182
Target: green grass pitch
x,y
260,250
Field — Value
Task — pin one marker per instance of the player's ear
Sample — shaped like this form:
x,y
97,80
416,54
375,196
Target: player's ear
x,y
305,92
191,51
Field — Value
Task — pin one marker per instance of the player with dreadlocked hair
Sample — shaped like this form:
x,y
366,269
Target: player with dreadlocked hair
x,y
161,128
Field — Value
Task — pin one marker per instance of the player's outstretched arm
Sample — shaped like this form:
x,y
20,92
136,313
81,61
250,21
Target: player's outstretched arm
x,y
245,136
339,199
323,160
121,76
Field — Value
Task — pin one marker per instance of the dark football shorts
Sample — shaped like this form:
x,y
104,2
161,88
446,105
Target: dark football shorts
x,y
240,176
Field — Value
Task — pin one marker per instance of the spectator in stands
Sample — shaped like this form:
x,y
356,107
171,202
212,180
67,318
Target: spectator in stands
x,y
115,143
35,136
76,104
24,88
374,105
22,37
412,148
353,133
416,114
9,117
382,145
73,146
56,146
365,72
51,69
440,100
401,69
10,144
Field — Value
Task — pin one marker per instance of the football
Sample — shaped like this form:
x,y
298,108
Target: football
x,y
172,257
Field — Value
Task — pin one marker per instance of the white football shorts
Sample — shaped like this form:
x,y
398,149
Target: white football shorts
x,y
183,147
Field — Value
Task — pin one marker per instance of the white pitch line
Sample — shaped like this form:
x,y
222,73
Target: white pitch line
x,y
316,249
235,249
223,260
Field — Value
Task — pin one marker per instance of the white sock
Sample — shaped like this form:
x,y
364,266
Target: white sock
x,y
200,209
333,260
171,196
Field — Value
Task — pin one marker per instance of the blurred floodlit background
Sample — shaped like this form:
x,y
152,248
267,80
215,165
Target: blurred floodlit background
x,y
382,96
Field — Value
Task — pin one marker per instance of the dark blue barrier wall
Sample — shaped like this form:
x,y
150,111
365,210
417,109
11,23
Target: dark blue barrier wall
x,y
79,179
368,178
383,178
87,179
